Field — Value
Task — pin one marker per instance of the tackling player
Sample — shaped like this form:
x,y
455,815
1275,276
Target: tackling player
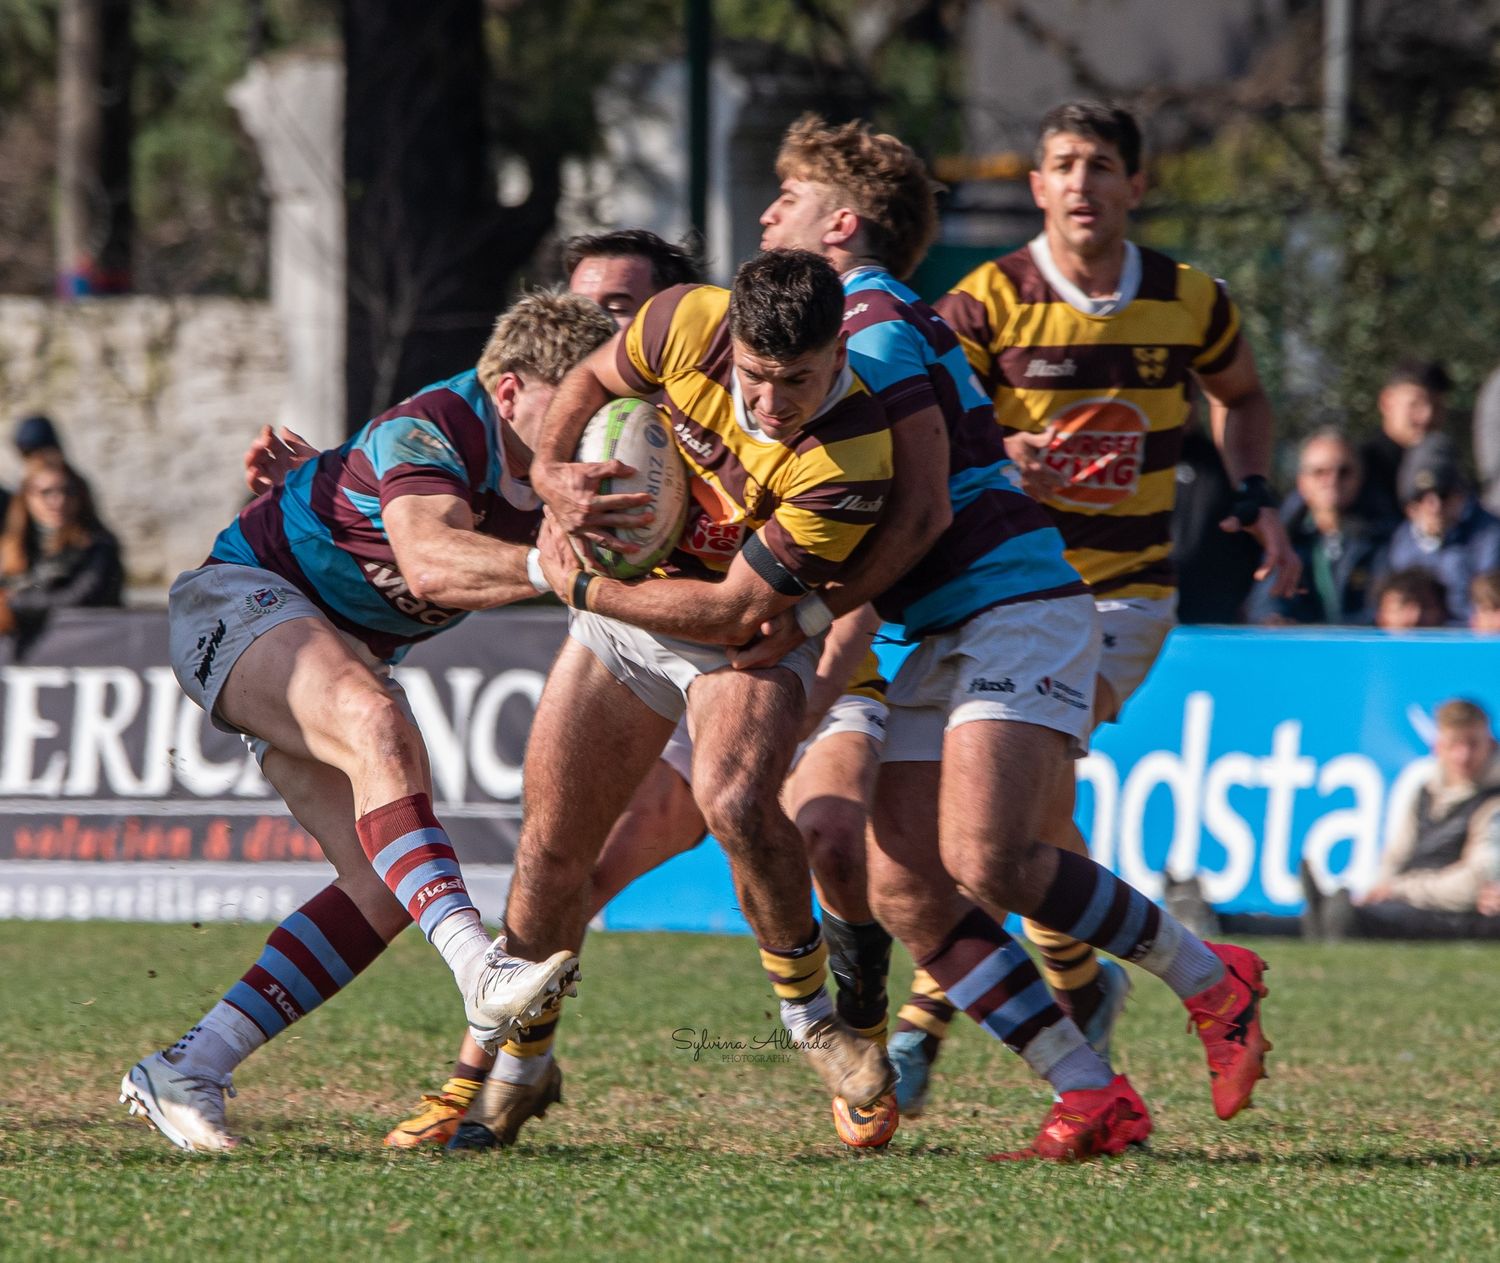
x,y
995,700
287,635
789,459
1087,343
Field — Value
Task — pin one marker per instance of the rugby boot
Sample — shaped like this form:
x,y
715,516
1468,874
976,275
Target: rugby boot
x,y
1226,1018
434,1123
851,1067
187,1108
869,1126
495,1118
1088,1123
510,993
1100,1028
913,1071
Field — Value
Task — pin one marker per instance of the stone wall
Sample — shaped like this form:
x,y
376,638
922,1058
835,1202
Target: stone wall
x,y
155,399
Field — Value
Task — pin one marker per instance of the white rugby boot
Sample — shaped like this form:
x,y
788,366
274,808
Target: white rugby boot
x,y
187,1108
509,993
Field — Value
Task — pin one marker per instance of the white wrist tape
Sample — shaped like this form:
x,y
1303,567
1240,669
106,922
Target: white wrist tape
x,y
813,615
534,571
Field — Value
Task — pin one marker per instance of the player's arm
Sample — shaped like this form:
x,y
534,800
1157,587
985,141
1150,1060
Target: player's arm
x,y
446,561
1242,424
848,641
571,488
729,612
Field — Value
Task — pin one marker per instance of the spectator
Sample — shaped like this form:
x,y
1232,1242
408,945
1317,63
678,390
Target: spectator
x,y
1413,404
1484,602
54,551
1408,599
1339,548
1215,568
1440,867
34,434
1487,441
1446,530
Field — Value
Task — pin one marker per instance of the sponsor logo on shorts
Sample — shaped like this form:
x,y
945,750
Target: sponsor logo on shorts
x,y
210,646
263,601
445,887
1064,693
980,685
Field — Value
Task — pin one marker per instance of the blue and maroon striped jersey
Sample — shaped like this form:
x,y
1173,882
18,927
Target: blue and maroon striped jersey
x,y
1001,546
323,531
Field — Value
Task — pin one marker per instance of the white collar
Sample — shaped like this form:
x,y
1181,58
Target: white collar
x,y
746,420
1107,305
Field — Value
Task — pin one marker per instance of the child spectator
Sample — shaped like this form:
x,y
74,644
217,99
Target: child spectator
x,y
1409,599
1484,602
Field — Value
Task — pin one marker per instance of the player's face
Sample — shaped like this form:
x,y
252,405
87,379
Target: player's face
x,y
1409,412
799,218
1463,752
522,405
1085,192
621,285
1328,477
782,395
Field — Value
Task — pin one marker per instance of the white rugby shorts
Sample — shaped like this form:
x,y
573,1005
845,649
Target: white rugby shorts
x,y
660,669
216,612
849,713
1133,630
1033,662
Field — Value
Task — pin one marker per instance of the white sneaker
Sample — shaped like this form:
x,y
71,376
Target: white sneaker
x,y
510,993
187,1108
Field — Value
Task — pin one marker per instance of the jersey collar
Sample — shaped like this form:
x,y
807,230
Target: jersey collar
x,y
746,420
1108,304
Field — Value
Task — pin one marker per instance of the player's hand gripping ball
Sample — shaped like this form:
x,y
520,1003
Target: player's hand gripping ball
x,y
634,431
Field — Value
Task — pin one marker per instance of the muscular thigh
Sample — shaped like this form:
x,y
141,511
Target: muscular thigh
x,y
744,726
1002,784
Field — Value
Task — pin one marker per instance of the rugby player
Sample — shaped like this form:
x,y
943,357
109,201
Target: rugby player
x,y
1087,344
997,695
827,796
789,460
287,635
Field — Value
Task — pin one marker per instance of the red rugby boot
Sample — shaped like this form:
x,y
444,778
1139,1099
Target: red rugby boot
x,y
1088,1123
1226,1018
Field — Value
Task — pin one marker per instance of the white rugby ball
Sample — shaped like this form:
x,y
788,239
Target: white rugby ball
x,y
634,431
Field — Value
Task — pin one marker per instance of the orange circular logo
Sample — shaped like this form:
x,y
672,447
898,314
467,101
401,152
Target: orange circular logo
x,y
1098,449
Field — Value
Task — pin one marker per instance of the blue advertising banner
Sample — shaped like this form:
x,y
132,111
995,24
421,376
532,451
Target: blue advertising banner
x,y
1244,751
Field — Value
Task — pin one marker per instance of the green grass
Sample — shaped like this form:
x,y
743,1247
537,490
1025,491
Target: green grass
x,y
1373,1140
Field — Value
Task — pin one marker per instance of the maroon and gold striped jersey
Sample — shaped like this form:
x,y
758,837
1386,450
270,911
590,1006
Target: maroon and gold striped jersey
x,y
810,499
1115,386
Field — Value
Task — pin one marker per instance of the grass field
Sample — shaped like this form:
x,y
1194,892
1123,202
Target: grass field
x,y
1373,1140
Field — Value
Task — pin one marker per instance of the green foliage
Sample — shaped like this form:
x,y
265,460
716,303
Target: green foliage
x,y
1372,1140
28,45
1389,254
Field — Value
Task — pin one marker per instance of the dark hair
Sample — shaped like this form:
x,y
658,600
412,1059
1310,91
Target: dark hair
x,y
785,303
670,264
1420,587
21,541
1428,374
1097,120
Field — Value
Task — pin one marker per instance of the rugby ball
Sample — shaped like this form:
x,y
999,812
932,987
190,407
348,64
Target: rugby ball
x,y
634,431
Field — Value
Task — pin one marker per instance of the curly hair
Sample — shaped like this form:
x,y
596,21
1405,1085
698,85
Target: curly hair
x,y
542,336
880,177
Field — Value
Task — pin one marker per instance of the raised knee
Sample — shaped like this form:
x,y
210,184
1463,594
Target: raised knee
x,y
373,721
736,813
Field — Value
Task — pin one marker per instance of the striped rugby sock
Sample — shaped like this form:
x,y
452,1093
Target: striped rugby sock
x,y
1088,902
1071,970
990,977
797,976
926,1010
412,854
525,1058
309,958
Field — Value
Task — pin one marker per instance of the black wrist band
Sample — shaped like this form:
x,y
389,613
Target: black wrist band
x,y
579,596
1250,497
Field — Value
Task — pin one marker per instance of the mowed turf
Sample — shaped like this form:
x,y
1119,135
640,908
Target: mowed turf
x,y
1374,1139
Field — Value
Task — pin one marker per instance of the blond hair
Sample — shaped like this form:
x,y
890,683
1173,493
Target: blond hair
x,y
1461,713
542,336
877,176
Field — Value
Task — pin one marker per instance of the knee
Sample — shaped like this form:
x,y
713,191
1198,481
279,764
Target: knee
x,y
736,812
373,723
835,836
993,868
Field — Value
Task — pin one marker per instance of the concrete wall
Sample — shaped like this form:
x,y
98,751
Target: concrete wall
x,y
155,399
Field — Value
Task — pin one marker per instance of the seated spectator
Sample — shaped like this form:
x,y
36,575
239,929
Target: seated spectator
x,y
1487,441
1446,530
1484,602
54,551
1409,599
1440,865
1339,548
1413,405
